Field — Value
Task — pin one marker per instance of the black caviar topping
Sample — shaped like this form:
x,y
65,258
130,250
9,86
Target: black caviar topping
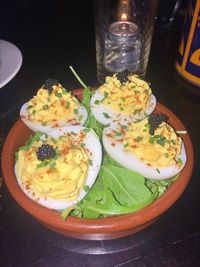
x,y
45,151
155,120
123,76
49,83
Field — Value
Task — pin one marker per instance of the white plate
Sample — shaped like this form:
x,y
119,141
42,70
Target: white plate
x,y
10,61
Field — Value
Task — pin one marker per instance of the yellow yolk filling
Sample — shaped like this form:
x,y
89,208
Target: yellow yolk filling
x,y
128,98
158,150
61,179
50,107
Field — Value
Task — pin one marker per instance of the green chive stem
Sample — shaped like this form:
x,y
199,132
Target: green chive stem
x,y
77,77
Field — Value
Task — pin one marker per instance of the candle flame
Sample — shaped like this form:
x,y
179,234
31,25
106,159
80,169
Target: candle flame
x,y
124,17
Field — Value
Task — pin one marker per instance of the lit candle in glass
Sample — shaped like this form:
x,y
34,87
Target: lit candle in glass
x,y
122,43
124,30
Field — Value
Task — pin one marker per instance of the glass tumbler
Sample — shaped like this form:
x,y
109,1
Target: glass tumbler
x,y
124,30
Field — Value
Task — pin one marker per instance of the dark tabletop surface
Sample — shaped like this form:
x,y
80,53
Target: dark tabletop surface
x,y
52,36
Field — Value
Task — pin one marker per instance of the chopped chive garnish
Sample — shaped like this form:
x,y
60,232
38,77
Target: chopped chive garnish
x,y
147,125
173,142
53,140
90,162
80,117
180,161
67,104
161,141
139,138
64,91
86,188
45,107
31,140
52,165
75,111
125,145
106,94
86,130
151,140
106,115
44,123
124,127
31,106
158,171
82,145
59,95
97,102
136,111
118,134
122,99
16,155
43,164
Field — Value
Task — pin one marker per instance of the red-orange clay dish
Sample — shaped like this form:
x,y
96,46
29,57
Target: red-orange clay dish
x,y
94,229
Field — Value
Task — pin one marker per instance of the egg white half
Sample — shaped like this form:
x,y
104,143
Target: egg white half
x,y
100,110
128,160
77,119
94,152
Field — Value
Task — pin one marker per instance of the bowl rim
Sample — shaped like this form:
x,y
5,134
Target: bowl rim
x,y
103,225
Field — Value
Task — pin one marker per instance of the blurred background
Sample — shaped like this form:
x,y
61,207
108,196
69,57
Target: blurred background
x,y
69,28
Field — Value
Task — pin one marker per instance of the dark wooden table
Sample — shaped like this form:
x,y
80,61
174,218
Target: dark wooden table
x,y
52,36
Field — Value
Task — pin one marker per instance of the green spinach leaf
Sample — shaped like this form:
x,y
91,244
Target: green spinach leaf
x,y
117,191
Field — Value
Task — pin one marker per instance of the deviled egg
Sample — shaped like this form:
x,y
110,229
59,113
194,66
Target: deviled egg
x,y
150,147
57,170
52,107
123,97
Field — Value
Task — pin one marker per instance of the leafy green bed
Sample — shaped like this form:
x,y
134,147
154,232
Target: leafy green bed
x,y
117,190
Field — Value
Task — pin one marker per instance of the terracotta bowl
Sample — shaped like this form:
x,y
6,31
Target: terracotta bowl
x,y
94,229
